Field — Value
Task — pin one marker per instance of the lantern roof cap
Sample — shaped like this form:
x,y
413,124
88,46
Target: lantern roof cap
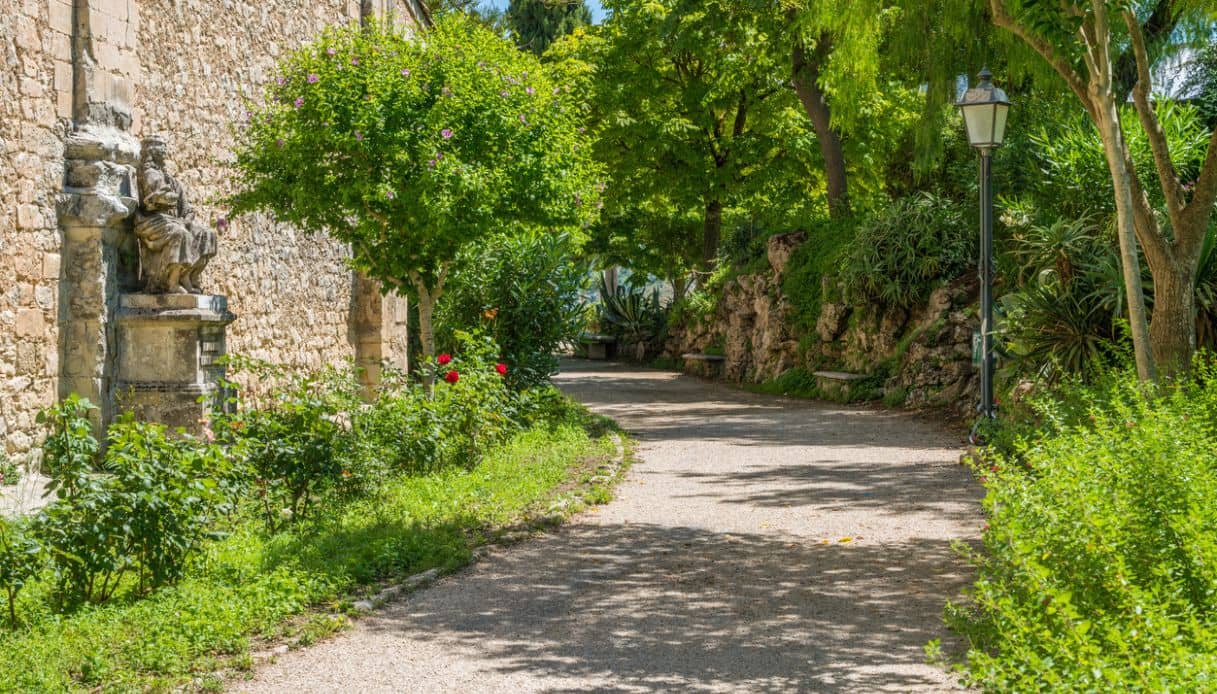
x,y
983,93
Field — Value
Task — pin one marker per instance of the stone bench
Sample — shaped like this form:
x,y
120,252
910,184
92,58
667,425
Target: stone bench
x,y
836,383
703,357
708,365
598,346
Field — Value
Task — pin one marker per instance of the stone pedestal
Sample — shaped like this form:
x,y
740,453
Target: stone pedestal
x,y
166,361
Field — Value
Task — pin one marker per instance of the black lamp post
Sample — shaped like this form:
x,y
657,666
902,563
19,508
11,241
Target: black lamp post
x,y
984,110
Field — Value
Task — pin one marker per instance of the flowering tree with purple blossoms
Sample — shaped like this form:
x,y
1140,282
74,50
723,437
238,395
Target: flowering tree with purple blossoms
x,y
411,148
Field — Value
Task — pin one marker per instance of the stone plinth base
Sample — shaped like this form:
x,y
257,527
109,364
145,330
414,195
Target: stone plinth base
x,y
168,346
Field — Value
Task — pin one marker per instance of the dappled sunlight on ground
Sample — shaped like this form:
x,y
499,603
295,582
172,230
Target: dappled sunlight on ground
x,y
760,544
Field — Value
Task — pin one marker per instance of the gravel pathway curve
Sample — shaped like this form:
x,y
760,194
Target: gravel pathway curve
x,y
760,544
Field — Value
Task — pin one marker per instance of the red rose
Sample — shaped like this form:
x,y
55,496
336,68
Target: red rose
x,y
452,377
443,359
501,368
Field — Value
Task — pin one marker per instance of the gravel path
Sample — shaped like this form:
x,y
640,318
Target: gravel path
x,y
759,545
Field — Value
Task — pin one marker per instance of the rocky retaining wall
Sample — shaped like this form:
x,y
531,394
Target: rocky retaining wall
x,y
921,356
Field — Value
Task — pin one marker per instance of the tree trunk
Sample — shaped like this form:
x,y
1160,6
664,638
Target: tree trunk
x,y
1172,328
427,296
680,285
426,329
426,334
806,69
1114,148
712,228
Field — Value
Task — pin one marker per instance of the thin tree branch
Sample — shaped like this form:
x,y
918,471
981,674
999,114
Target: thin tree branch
x,y
741,115
1003,19
1171,187
1204,193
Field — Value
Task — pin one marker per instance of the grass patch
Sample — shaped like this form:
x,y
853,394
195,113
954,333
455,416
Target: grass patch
x,y
296,585
666,363
796,383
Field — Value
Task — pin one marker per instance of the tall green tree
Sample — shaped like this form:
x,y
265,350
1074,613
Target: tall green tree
x,y
411,150
538,23
691,107
1082,41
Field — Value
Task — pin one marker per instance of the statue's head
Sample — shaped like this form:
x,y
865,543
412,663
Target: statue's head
x,y
154,147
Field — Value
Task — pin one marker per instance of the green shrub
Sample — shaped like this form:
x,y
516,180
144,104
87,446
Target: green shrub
x,y
469,410
817,258
895,397
69,451
901,253
524,292
10,474
21,559
297,442
135,518
1099,568
1073,180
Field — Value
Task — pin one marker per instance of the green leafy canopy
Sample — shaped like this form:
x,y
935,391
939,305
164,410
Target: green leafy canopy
x,y
409,147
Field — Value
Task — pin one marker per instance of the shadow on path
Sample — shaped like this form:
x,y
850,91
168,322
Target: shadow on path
x,y
659,608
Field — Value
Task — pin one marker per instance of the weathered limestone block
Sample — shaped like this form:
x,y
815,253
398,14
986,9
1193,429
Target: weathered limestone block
x,y
832,321
779,248
168,349
94,219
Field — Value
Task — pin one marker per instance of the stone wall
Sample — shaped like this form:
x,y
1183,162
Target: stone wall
x,y
923,355
113,71
34,38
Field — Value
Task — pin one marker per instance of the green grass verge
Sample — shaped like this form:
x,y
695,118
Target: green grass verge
x,y
297,586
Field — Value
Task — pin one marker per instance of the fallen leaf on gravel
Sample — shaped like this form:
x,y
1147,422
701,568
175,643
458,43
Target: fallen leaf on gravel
x,y
845,539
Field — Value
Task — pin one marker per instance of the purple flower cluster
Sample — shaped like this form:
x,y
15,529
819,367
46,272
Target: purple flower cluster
x,y
299,101
312,78
405,72
358,136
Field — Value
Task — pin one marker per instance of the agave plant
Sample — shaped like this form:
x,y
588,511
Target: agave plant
x,y
630,312
1058,246
1050,330
1206,292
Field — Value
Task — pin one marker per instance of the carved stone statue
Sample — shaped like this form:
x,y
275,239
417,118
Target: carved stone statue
x,y
174,246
